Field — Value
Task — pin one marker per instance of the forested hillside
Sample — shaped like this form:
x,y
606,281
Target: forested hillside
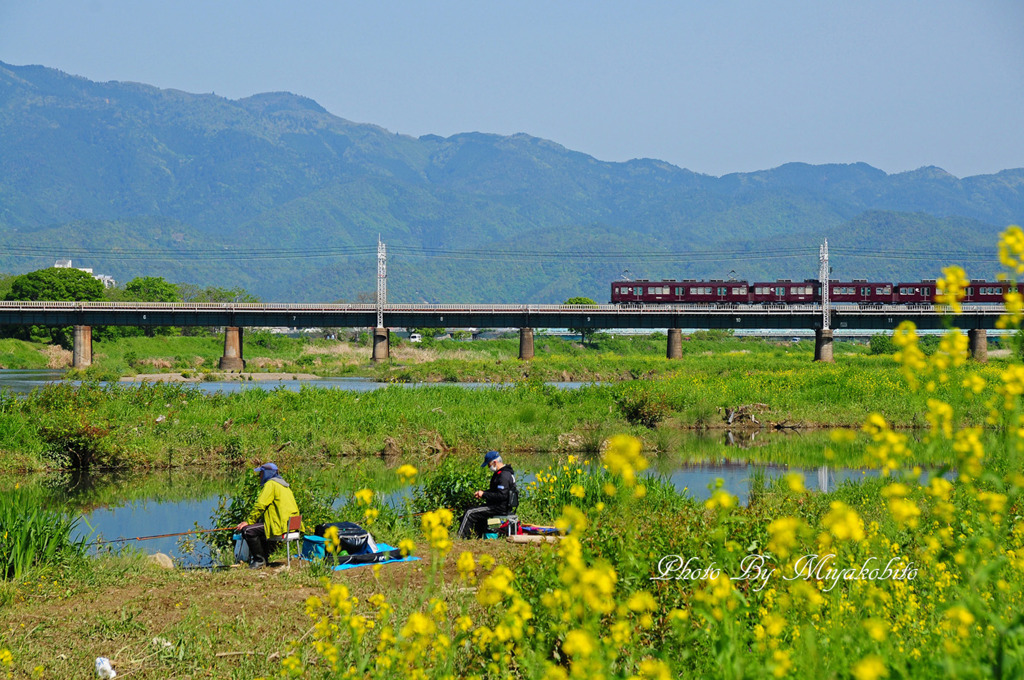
x,y
275,194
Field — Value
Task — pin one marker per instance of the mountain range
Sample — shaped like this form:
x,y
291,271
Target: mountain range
x,y
276,194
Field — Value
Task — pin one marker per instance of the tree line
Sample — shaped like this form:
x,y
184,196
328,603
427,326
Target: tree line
x,y
75,285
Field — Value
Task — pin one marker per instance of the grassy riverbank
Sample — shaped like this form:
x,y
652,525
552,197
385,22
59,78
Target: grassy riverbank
x,y
166,425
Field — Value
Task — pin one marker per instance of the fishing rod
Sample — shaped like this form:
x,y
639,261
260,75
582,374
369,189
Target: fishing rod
x,y
203,531
147,538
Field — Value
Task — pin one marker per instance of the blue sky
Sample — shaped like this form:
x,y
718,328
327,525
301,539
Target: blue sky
x,y
715,87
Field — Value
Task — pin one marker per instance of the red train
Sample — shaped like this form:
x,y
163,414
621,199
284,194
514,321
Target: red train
x,y
861,291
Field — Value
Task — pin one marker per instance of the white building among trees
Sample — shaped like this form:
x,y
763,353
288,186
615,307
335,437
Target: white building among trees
x,y
107,281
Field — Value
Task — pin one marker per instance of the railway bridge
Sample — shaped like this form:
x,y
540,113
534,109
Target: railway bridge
x,y
974,319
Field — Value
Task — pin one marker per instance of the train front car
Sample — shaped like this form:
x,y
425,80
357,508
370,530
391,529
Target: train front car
x,y
784,291
862,292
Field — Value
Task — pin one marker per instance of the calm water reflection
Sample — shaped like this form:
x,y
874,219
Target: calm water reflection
x,y
23,382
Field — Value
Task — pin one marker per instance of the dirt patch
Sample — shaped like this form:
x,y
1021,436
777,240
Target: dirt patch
x,y
338,349
413,354
265,362
156,363
57,356
173,624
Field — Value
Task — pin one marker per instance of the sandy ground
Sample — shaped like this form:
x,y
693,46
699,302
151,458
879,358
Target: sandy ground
x,y
218,377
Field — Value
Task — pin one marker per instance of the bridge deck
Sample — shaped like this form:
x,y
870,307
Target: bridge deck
x,y
305,315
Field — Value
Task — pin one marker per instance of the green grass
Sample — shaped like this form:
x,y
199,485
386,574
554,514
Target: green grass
x,y
36,532
22,355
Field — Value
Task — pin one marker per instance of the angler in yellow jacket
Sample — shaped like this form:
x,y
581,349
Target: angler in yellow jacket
x,y
269,517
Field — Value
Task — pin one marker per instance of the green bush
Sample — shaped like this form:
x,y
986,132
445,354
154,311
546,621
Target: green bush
x,y
641,407
881,344
451,485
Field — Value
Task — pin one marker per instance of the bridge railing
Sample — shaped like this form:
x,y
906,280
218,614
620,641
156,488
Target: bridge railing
x,y
628,309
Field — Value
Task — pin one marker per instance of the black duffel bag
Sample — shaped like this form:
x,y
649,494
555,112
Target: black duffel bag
x,y
355,540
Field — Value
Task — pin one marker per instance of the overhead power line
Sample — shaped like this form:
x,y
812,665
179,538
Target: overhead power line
x,y
234,254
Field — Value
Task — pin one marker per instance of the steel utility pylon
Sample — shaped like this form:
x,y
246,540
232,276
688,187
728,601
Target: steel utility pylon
x,y
382,281
823,277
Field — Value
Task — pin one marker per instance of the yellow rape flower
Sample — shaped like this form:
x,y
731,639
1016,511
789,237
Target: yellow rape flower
x,y
781,664
331,540
1011,249
578,644
877,629
495,587
642,601
1014,303
721,499
624,458
870,667
406,473
795,482
950,289
783,532
844,522
654,669
364,496
418,623
466,566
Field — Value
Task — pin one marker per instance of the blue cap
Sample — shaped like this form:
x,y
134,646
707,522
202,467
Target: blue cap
x,y
265,466
491,455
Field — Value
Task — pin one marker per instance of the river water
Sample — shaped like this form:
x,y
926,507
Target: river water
x,y
24,381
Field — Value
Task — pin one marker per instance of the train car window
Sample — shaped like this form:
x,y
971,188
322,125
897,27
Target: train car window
x,y
970,290
780,291
679,290
638,290
723,291
926,291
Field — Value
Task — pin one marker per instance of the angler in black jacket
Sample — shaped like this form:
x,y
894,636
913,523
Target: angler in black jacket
x,y
502,497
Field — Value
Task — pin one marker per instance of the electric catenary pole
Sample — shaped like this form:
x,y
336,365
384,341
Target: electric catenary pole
x,y
823,277
382,281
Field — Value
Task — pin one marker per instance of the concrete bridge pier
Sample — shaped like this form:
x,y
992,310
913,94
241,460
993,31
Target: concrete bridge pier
x,y
232,359
977,344
823,345
381,345
525,343
675,343
81,354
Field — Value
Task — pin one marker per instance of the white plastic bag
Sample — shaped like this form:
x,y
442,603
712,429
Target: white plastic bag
x,y
104,670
